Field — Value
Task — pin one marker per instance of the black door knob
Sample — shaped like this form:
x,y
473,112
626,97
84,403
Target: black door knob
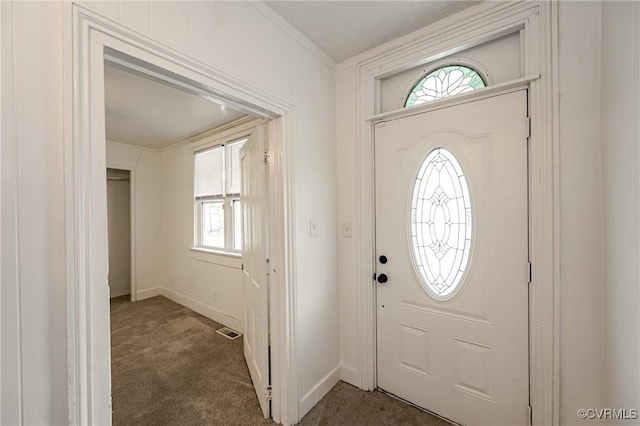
x,y
383,259
382,278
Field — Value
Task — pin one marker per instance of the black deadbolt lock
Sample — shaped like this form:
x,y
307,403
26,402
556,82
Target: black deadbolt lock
x,y
383,259
382,278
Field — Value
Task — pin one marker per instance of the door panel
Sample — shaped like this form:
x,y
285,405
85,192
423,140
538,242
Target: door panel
x,y
464,357
253,201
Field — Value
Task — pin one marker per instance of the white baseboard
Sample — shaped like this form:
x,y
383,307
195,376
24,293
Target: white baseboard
x,y
150,292
204,310
318,391
350,374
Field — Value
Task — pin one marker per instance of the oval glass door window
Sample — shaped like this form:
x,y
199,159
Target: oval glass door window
x,y
440,224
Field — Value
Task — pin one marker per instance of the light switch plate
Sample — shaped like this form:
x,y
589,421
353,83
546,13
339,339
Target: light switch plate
x,y
347,229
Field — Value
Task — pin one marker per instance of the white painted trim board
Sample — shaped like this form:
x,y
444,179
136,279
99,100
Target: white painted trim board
x,y
204,310
349,373
319,390
148,293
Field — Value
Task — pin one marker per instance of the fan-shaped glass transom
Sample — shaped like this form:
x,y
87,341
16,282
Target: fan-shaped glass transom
x,y
443,82
440,224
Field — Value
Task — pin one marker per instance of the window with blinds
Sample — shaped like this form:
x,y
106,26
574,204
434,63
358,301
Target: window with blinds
x,y
209,169
217,197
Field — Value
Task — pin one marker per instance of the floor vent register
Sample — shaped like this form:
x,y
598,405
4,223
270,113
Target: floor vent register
x,y
228,333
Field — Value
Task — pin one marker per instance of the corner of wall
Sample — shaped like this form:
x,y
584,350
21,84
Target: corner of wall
x,y
350,374
317,392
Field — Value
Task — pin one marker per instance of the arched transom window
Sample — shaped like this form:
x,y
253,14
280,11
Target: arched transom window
x,y
443,82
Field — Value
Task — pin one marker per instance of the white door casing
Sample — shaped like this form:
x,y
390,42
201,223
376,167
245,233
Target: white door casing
x,y
537,23
90,38
255,281
465,358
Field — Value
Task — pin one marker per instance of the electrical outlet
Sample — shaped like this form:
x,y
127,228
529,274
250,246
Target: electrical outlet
x,y
313,228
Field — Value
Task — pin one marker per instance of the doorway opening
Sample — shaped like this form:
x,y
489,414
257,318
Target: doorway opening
x,y
199,173
95,41
119,218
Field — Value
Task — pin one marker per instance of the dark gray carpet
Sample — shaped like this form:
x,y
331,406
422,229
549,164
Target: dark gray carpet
x,y
170,367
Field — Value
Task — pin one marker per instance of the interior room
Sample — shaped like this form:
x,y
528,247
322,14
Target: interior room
x,y
153,130
407,212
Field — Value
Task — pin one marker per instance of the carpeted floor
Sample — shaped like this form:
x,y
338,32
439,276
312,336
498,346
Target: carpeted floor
x,y
170,367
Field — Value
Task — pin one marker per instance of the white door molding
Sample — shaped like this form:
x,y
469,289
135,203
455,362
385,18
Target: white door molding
x,y
87,36
537,24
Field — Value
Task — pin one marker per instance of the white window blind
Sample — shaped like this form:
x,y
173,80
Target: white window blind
x,y
233,167
209,168
216,197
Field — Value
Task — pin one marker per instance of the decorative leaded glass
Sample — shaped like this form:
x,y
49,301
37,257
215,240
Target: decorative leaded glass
x,y
440,223
443,82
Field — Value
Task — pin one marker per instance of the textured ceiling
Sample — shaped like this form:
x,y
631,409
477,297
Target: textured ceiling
x,y
343,29
145,112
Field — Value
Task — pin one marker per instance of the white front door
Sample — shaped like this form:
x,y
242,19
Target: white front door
x,y
452,291
253,201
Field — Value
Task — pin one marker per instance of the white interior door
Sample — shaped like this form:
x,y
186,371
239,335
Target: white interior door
x,y
451,220
253,201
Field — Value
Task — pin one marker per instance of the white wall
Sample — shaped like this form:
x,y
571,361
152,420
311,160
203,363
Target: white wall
x,y
233,36
10,304
621,162
149,266
208,283
581,212
34,373
348,175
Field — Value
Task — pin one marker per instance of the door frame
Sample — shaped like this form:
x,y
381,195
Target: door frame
x,y
88,36
536,22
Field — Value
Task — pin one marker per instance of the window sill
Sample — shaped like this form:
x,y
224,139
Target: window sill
x,y
218,257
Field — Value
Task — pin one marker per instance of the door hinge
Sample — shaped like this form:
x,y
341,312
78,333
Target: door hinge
x,y
266,156
242,266
268,393
529,272
528,126
530,417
